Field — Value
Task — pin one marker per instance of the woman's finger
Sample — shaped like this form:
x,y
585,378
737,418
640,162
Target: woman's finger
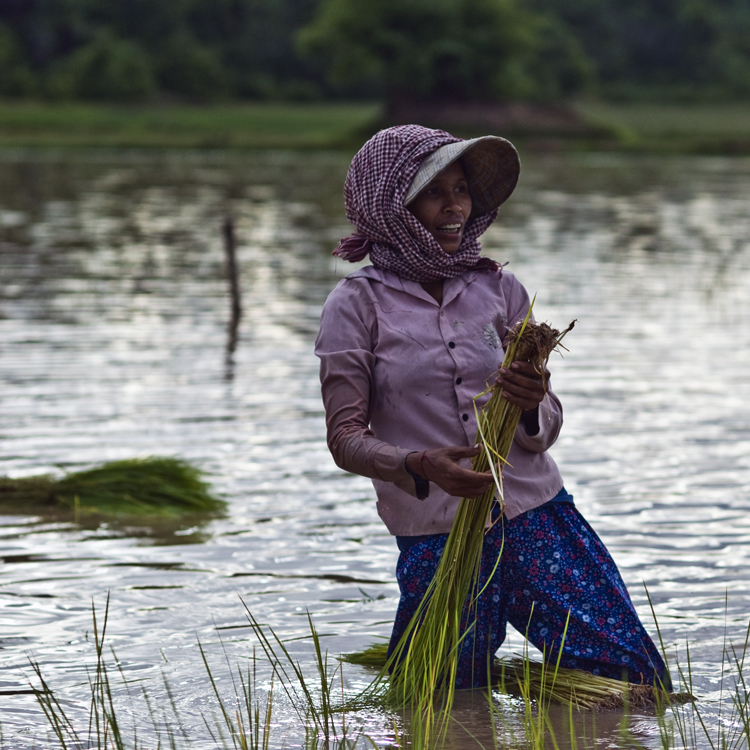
x,y
459,451
526,375
471,486
441,467
523,385
528,368
524,397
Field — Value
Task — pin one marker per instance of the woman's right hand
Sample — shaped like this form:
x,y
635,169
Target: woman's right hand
x,y
441,467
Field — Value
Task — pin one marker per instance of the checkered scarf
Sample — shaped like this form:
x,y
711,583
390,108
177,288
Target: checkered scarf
x,y
378,179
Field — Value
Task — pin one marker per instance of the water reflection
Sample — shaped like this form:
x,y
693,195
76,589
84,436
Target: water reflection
x,y
113,344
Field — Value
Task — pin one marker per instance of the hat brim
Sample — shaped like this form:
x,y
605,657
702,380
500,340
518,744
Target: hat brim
x,y
491,165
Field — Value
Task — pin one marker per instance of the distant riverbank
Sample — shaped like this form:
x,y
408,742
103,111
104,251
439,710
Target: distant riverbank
x,y
722,128
705,128
256,125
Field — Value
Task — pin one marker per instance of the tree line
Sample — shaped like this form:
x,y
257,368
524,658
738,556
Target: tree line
x,y
208,50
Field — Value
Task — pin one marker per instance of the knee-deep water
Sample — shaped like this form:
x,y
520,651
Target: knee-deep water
x,y
113,344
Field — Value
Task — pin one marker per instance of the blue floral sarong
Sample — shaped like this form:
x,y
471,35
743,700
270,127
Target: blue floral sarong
x,y
552,564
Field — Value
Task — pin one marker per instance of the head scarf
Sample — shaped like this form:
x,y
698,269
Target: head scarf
x,y
376,184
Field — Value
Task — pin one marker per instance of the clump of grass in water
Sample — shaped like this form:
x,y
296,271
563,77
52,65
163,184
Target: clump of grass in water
x,y
155,486
314,706
248,730
732,731
104,727
426,658
245,721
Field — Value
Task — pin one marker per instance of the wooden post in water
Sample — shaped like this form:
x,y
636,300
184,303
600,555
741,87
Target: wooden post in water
x,y
233,275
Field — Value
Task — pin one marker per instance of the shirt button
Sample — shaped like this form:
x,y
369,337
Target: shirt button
x,y
459,381
451,345
466,417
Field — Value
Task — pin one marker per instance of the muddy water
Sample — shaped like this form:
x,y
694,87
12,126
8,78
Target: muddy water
x,y
113,313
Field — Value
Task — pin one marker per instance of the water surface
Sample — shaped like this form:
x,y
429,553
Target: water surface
x,y
113,312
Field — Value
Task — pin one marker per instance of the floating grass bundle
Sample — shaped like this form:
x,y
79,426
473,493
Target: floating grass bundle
x,y
155,486
427,656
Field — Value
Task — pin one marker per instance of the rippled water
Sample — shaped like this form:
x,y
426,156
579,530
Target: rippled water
x,y
113,312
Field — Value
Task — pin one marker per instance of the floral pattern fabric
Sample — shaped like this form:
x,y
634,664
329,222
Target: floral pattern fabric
x,y
551,563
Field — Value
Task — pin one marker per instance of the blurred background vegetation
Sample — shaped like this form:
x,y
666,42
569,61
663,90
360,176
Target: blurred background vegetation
x,y
415,57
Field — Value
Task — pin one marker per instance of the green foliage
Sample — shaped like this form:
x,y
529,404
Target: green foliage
x,y
446,49
187,67
667,50
132,487
560,66
255,41
130,50
195,49
15,77
108,69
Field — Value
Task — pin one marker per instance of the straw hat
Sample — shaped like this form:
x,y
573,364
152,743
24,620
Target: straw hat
x,y
491,165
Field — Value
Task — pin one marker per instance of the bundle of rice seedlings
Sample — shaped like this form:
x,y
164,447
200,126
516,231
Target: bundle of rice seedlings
x,y
155,486
574,687
426,658
546,683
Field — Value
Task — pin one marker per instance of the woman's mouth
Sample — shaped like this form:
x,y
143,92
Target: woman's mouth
x,y
450,228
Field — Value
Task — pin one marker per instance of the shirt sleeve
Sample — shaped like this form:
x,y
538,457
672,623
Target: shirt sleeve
x,y
550,409
345,344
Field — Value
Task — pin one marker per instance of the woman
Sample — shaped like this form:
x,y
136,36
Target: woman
x,y
405,344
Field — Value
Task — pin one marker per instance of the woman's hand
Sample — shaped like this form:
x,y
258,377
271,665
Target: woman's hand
x,y
523,385
441,467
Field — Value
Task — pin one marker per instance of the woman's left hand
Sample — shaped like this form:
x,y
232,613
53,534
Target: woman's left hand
x,y
523,385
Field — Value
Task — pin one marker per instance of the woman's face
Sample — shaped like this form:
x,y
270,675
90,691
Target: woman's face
x,y
443,207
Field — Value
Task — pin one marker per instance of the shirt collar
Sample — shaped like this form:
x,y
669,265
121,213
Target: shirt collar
x,y
451,288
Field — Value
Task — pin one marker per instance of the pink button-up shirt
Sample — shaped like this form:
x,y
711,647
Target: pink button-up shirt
x,y
399,373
